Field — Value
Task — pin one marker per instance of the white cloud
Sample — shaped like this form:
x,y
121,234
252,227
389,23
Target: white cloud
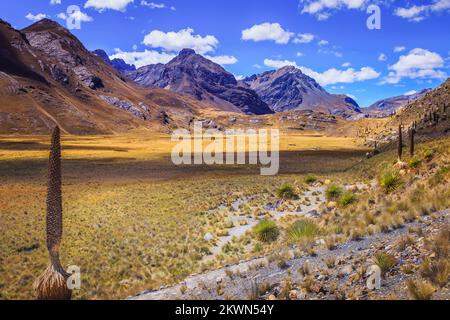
x,y
413,13
417,64
176,41
410,93
419,13
399,49
322,9
153,5
267,32
300,54
145,58
101,5
330,76
332,52
75,16
322,43
277,64
53,2
36,17
382,57
222,60
346,64
304,38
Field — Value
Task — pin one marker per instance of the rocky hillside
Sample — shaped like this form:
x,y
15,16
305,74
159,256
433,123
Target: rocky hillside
x,y
386,107
48,77
193,75
289,89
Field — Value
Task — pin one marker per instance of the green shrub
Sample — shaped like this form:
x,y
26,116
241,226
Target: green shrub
x,y
390,180
286,192
310,179
333,192
267,231
414,163
303,229
385,261
347,198
428,154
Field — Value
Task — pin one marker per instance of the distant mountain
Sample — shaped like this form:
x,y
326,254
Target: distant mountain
x,y
289,89
193,75
118,64
48,77
386,107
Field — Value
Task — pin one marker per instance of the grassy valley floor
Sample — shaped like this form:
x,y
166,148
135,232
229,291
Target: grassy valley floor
x,y
133,221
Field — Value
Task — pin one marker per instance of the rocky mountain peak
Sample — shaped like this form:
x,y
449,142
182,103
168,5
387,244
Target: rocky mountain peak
x,y
192,74
288,88
186,53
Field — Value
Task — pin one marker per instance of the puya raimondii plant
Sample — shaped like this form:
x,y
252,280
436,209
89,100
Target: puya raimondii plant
x,y
52,284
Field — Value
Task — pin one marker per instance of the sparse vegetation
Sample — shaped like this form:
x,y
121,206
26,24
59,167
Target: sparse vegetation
x,y
286,192
390,181
303,230
420,290
385,261
267,231
414,163
333,192
310,179
346,199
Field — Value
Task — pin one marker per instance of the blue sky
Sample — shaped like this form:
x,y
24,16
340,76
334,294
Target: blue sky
x,y
328,39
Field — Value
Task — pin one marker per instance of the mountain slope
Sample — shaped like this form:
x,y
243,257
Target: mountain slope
x,y
431,112
193,75
385,107
288,89
48,77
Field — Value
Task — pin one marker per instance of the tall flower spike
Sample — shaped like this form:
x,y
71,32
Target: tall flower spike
x,y
52,284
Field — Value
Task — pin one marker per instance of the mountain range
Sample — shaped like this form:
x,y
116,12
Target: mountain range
x,y
193,75
387,107
48,77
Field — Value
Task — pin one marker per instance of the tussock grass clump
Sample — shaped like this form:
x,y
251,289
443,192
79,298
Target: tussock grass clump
x,y
420,290
390,180
436,271
304,229
385,261
309,179
267,231
346,199
333,192
439,177
286,192
428,154
414,163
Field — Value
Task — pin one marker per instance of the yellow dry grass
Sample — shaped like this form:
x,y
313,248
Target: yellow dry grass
x,y
132,220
